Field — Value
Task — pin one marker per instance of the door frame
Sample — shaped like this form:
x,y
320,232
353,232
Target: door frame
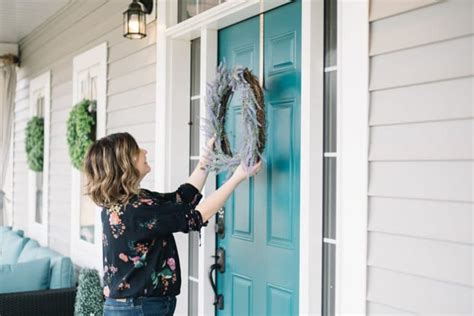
x,y
172,113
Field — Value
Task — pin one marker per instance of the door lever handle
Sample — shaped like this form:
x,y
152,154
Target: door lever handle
x,y
219,266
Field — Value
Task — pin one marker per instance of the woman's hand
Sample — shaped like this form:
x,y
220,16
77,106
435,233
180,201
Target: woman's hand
x,y
204,160
209,206
241,175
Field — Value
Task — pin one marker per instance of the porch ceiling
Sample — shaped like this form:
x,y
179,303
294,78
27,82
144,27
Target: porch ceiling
x,y
19,17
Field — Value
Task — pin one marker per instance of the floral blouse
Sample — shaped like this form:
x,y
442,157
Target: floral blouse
x,y
139,250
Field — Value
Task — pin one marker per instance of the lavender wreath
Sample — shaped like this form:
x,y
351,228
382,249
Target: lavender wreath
x,y
219,93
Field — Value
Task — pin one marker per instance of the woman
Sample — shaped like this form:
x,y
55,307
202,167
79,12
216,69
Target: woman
x,y
141,263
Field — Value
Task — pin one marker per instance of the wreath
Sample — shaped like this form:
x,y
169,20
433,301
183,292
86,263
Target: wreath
x,y
34,143
81,131
219,93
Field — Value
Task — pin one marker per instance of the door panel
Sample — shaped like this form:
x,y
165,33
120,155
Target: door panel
x,y
262,216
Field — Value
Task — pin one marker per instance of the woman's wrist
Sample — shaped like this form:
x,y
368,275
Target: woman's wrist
x,y
202,166
237,178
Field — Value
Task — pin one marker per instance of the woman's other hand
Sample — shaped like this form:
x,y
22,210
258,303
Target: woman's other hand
x,y
241,175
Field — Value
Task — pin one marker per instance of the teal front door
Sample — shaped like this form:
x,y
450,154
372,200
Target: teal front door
x,y
261,237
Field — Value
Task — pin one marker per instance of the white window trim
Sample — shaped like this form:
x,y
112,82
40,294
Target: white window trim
x,y
84,253
352,165
36,230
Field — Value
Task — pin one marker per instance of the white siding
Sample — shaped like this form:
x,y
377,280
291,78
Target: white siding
x,y
383,8
432,62
418,295
20,171
130,100
423,103
384,310
428,25
421,158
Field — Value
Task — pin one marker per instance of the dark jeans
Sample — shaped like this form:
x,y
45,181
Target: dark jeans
x,y
141,306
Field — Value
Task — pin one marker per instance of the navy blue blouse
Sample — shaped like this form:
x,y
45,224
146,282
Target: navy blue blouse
x,y
139,250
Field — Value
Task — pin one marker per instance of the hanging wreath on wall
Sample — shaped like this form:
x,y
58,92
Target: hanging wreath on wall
x,y
219,94
81,131
34,143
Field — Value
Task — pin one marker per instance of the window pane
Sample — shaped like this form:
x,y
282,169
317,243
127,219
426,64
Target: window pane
x,y
330,163
195,66
193,298
87,214
330,111
186,9
39,198
93,92
330,33
83,85
207,4
194,254
329,198
40,106
194,130
329,279
189,8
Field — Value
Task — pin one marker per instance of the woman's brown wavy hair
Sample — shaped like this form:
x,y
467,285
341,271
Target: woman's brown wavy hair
x,y
112,177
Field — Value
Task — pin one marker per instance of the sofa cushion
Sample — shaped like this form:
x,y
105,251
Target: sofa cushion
x,y
62,273
62,269
11,247
31,244
26,276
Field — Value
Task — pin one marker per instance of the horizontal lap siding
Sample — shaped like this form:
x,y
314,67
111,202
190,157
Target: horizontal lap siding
x,y
432,24
448,221
423,103
132,94
433,62
380,309
384,8
434,180
445,140
417,294
20,171
79,27
428,258
421,158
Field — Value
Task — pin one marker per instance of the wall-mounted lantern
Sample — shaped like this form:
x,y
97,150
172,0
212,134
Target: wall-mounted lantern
x,y
134,19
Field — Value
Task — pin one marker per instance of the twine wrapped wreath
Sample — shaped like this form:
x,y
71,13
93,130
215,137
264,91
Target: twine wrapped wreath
x,y
219,93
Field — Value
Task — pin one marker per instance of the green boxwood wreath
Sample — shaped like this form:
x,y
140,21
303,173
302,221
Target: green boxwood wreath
x,y
34,143
81,126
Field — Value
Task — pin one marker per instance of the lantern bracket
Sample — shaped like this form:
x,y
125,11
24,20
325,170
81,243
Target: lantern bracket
x,y
147,5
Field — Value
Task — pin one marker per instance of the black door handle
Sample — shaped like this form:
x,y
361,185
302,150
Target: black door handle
x,y
219,266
